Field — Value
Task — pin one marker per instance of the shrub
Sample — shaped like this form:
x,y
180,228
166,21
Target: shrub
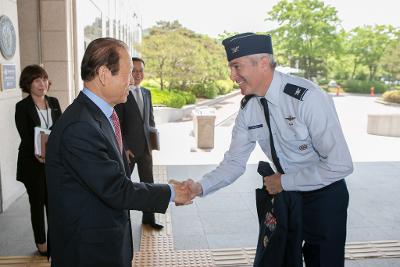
x,y
189,97
171,98
364,87
205,90
150,83
224,86
322,81
176,101
392,96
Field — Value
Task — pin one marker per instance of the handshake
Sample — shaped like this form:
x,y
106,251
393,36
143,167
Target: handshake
x,y
185,191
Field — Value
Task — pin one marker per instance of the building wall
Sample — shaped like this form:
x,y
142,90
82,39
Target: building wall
x,y
9,138
28,22
46,38
56,36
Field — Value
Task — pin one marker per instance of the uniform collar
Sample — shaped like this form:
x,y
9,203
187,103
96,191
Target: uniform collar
x,y
272,94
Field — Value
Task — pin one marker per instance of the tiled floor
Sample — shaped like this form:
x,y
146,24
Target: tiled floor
x,y
227,218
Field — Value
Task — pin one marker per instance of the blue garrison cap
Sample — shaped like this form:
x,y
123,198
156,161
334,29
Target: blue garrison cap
x,y
248,43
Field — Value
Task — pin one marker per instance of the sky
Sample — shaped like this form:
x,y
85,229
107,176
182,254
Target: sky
x,y
212,17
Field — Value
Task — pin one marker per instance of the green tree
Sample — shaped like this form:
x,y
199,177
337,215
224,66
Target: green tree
x,y
339,64
367,45
307,34
391,60
92,31
225,35
180,58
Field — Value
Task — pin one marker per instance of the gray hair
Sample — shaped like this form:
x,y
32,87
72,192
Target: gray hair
x,y
257,57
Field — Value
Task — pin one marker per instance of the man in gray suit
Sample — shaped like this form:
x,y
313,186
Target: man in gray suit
x,y
137,121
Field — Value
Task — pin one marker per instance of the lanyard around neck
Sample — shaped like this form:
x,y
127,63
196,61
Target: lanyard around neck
x,y
46,122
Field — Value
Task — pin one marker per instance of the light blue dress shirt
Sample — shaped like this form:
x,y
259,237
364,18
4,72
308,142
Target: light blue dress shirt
x,y
107,111
307,137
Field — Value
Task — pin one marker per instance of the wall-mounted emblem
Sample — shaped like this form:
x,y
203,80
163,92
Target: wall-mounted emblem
x,y
8,76
7,37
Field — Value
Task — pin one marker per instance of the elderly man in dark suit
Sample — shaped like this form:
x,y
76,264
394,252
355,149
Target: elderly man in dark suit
x,y
137,121
90,193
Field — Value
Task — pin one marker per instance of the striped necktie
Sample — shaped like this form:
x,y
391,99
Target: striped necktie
x,y
117,129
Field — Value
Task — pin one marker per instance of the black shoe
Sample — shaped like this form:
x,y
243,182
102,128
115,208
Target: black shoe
x,y
154,225
43,253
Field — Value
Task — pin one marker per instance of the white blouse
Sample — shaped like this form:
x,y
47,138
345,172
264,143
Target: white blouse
x,y
45,118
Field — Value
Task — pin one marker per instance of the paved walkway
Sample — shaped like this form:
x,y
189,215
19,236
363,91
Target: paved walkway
x,y
227,219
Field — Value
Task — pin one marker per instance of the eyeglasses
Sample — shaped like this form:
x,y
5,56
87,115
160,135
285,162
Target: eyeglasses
x,y
137,71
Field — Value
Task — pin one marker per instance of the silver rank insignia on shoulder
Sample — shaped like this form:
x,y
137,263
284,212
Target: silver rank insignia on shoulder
x,y
295,91
290,119
245,100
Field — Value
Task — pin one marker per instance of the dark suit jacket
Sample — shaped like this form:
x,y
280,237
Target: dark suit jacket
x,y
89,192
26,119
135,129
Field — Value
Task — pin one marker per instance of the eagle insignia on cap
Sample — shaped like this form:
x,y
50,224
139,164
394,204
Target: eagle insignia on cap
x,y
235,49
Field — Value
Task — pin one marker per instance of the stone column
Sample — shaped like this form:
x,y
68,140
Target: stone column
x,y
56,29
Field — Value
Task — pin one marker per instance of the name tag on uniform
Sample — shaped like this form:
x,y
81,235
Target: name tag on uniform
x,y
255,127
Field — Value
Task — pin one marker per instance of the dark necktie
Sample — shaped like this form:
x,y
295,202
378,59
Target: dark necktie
x,y
275,158
117,129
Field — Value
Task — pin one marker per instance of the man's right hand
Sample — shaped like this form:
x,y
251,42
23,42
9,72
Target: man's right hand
x,y
183,194
129,155
194,187
39,158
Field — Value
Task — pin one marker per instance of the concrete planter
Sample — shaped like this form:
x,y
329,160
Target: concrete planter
x,y
384,124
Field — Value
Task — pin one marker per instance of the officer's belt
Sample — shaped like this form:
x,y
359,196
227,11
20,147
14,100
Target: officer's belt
x,y
325,188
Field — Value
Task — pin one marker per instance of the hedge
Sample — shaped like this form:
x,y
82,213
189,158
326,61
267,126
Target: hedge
x,y
364,87
392,96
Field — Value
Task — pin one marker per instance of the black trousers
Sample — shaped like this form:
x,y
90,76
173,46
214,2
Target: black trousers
x,y
145,170
324,222
37,194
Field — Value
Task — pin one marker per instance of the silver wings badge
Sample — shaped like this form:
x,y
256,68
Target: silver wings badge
x,y
290,119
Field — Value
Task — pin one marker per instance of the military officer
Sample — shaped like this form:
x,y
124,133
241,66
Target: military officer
x,y
296,125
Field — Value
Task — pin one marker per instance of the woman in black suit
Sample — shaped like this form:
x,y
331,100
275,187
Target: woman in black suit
x,y
36,109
